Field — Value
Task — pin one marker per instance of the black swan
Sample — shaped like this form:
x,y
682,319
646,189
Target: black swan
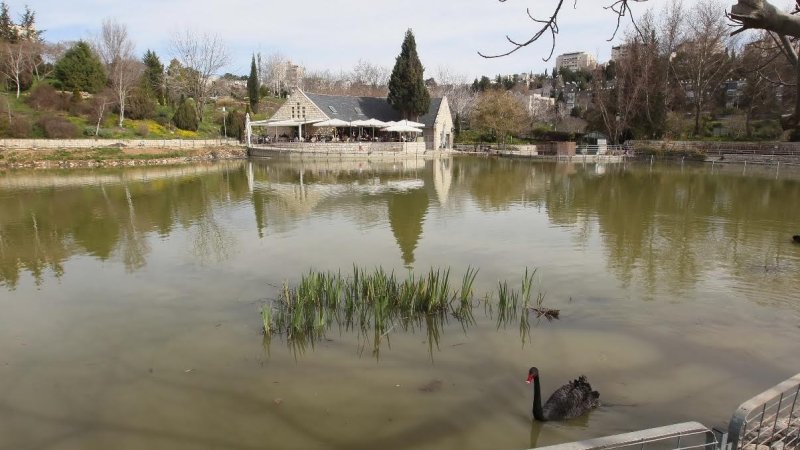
x,y
796,238
570,400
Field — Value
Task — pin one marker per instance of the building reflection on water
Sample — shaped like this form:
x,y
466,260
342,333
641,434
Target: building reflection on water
x,y
673,222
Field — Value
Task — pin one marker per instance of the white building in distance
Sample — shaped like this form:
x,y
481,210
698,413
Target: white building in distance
x,y
576,61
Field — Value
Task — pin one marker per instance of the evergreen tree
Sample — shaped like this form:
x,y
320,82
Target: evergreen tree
x,y
252,85
28,25
186,117
141,104
234,124
154,76
457,126
7,31
407,91
80,69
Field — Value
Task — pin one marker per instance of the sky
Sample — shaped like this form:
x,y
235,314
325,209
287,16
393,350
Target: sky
x,y
334,34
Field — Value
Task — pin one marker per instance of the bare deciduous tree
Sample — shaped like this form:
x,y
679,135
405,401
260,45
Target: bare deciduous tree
x,y
764,72
620,99
455,86
204,54
116,50
273,71
16,57
702,61
44,58
368,79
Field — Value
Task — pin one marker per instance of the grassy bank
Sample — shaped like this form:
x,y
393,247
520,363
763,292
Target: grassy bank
x,y
43,112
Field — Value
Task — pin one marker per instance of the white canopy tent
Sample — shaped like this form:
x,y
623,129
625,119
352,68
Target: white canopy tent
x,y
408,123
369,123
281,123
402,129
332,123
372,123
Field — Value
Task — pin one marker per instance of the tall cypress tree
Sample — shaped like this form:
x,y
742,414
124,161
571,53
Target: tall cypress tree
x,y
154,76
252,85
407,91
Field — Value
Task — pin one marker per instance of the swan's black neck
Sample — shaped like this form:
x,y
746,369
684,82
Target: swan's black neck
x,y
537,401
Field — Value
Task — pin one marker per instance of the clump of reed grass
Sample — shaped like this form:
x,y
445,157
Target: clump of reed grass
x,y
373,303
366,298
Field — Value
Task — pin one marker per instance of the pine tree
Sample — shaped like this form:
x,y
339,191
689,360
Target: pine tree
x,y
81,69
7,31
28,25
252,85
407,91
154,76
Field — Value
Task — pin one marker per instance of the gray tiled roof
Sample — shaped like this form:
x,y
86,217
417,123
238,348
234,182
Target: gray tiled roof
x,y
430,117
361,108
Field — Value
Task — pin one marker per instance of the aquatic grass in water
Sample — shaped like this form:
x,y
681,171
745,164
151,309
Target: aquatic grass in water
x,y
375,303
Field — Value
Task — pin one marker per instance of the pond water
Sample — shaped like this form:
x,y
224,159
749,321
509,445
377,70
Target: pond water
x,y
130,301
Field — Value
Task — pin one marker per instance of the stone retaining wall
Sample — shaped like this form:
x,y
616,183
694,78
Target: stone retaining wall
x,y
718,148
342,148
759,159
34,144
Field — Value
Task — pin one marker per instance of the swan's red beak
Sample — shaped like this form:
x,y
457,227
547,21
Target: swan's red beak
x,y
530,377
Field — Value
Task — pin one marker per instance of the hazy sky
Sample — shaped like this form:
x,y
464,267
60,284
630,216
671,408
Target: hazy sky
x,y
334,34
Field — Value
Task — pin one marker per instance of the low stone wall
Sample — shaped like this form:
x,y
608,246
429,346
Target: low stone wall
x,y
759,159
712,148
557,148
34,144
341,148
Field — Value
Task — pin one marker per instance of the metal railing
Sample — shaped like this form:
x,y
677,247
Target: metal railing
x,y
681,436
770,419
599,150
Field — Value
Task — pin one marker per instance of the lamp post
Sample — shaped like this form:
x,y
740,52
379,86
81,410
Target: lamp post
x,y
224,124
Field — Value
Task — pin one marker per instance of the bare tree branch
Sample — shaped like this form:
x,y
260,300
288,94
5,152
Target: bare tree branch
x,y
550,24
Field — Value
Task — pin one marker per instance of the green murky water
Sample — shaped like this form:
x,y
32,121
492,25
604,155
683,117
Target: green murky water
x,y
129,301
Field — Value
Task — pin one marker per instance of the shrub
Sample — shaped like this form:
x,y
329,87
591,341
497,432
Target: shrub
x,y
141,105
45,97
185,116
56,127
234,125
552,135
142,130
19,127
163,116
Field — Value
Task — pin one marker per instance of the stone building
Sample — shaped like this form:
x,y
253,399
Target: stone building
x,y
307,108
294,75
576,61
618,52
